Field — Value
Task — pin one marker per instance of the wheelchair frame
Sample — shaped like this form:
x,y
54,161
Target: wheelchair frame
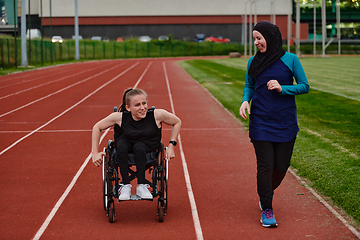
x,y
155,163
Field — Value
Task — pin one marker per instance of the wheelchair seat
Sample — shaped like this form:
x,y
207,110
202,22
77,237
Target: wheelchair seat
x,y
151,157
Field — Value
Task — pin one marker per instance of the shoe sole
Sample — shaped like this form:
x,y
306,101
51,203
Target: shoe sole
x,y
269,226
124,199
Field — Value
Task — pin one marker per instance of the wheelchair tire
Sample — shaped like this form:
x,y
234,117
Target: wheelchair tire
x,y
105,187
161,212
111,212
166,184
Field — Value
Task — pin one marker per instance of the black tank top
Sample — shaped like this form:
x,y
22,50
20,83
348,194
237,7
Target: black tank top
x,y
144,130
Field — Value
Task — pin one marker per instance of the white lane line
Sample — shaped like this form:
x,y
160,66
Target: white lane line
x,y
67,110
199,234
47,83
68,189
26,76
331,209
61,90
64,195
89,130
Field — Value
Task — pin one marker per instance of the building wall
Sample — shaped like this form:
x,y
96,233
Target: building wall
x,y
100,8
183,19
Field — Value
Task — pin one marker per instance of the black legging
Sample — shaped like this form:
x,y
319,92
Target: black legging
x,y
273,160
139,149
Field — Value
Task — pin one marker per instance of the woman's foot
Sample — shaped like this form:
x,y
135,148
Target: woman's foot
x,y
143,191
268,218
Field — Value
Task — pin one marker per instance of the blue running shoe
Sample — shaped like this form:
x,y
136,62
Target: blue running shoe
x,y
268,219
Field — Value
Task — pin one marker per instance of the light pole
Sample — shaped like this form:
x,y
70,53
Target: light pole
x,y
323,17
245,29
77,55
298,28
23,35
255,19
314,42
338,26
289,29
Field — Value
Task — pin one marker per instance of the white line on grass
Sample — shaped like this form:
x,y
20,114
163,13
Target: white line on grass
x,y
194,211
63,89
338,94
67,110
68,189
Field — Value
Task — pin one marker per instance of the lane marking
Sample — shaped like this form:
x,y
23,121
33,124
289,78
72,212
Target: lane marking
x,y
46,83
89,130
64,195
30,80
72,184
194,212
331,209
67,110
61,90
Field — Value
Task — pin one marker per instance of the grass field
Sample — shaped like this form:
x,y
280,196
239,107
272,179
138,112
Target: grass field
x,y
327,151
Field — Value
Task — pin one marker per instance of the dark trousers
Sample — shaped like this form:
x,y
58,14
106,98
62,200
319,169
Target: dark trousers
x,y
139,149
273,160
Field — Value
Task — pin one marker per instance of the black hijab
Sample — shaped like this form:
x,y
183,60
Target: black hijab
x,y
274,50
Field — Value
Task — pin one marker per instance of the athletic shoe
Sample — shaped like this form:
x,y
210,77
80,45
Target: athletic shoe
x,y
143,191
268,218
124,192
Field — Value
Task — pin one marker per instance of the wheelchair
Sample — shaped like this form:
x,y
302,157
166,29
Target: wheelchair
x,y
157,166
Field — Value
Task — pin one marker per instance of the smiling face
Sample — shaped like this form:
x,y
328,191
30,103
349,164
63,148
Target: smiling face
x,y
259,41
137,106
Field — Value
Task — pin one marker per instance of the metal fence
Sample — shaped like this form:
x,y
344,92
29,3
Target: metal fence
x,y
42,52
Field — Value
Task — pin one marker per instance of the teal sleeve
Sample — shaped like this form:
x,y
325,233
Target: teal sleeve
x,y
302,86
249,84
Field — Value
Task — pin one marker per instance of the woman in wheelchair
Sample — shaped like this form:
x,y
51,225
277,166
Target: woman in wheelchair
x,y
137,131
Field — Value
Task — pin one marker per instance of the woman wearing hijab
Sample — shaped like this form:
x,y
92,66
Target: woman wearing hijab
x,y
273,122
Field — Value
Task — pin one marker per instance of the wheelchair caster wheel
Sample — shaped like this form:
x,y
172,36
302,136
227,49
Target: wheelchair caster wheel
x,y
161,213
111,212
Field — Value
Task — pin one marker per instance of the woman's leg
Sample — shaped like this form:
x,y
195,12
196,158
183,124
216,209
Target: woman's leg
x,y
140,150
123,148
283,153
265,163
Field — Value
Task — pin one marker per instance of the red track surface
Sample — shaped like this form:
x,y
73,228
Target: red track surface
x,y
44,144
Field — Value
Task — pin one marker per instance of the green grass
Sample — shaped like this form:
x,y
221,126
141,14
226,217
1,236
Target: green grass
x,y
327,149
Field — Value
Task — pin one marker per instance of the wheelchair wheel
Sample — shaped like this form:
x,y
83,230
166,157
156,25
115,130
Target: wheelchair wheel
x,y
111,212
161,211
166,185
105,187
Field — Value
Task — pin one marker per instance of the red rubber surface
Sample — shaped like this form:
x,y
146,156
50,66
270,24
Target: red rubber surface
x,y
36,171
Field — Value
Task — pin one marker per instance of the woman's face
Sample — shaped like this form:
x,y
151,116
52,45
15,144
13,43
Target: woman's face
x,y
259,41
138,107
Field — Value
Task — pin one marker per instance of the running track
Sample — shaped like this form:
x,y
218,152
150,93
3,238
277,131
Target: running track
x,y
50,189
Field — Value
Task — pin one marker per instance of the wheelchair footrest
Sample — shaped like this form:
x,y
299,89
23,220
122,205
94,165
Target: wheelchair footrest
x,y
136,198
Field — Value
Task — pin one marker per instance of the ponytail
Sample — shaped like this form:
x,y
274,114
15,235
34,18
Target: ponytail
x,y
126,97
